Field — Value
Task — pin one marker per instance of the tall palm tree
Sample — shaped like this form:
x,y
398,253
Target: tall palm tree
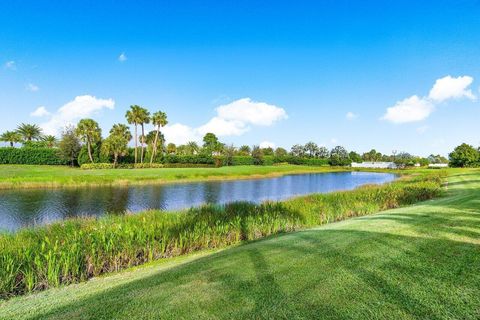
x,y
135,116
89,132
29,132
159,119
11,137
50,140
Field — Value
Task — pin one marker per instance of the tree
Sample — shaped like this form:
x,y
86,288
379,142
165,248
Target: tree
x,y
339,157
298,151
150,140
192,148
280,152
311,148
29,132
69,145
244,150
89,132
171,148
355,157
159,119
211,144
323,153
116,143
372,155
267,151
50,140
11,137
229,152
138,116
464,156
257,155
437,159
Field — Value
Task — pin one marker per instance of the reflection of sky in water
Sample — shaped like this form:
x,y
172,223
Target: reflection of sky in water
x,y
29,207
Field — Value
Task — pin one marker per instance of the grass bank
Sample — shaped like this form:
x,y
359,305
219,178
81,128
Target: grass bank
x,y
76,250
416,262
32,176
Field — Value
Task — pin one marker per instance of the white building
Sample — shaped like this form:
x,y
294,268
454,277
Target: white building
x,y
375,165
438,165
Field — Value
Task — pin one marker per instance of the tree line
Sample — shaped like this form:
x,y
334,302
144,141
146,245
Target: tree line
x,y
84,143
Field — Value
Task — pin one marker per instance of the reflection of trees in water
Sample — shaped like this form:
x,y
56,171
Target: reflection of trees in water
x,y
155,197
211,192
25,207
115,200
72,202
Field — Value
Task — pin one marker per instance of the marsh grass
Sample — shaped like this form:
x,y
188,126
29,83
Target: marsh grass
x,y
76,250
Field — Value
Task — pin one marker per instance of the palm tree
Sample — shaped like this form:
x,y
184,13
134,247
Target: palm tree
x,y
29,132
138,116
193,147
89,132
11,137
50,140
117,143
159,119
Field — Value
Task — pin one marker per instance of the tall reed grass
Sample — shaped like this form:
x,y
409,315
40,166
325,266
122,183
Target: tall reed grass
x,y
79,249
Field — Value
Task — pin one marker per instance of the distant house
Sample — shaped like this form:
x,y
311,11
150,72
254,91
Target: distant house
x,y
375,165
438,165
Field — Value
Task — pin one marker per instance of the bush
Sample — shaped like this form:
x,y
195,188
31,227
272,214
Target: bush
x,y
39,156
76,250
91,166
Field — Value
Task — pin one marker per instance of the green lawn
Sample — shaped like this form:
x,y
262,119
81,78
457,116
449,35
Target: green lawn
x,y
25,176
419,262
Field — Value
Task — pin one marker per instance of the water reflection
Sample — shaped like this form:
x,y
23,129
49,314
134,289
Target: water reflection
x,y
20,208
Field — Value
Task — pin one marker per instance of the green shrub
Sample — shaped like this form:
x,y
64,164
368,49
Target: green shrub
x,y
91,166
78,249
39,156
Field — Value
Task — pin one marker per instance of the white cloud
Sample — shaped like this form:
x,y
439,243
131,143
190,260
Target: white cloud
x,y
11,65
32,87
180,133
409,110
122,57
80,107
416,109
267,144
248,111
451,88
40,112
232,119
351,116
222,127
334,141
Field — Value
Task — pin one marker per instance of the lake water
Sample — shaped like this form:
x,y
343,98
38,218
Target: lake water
x,y
21,208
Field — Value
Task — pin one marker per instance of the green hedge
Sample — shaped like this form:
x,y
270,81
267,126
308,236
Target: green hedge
x,y
47,156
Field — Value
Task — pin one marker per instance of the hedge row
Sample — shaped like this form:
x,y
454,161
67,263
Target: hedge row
x,y
30,156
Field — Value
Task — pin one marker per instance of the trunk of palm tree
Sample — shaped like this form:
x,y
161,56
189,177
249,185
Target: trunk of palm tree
x,y
115,159
136,143
89,148
143,142
11,144
154,151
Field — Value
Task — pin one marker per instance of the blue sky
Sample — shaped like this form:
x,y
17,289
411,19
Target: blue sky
x,y
284,73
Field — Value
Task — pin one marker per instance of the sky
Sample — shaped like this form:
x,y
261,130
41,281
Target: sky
x,y
389,75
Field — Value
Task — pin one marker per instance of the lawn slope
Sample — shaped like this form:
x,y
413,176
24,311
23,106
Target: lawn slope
x,y
417,262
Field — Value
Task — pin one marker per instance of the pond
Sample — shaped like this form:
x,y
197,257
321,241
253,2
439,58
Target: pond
x,y
22,208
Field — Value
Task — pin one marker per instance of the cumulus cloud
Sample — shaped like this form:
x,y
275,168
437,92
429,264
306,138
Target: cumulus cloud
x,y
81,107
267,144
122,57
351,116
451,88
232,119
40,112
11,65
409,110
248,111
418,108
32,87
